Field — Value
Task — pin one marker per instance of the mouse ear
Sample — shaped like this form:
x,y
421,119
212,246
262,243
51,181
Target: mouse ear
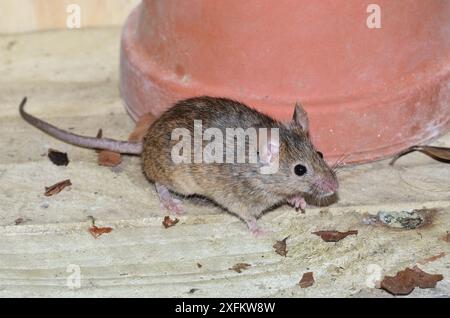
x,y
301,117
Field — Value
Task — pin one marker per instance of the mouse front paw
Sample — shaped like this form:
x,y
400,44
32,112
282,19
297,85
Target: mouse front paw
x,y
298,202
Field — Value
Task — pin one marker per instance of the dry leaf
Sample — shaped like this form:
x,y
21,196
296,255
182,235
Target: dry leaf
x,y
107,158
431,259
404,282
57,188
97,231
239,267
334,236
437,153
307,280
280,247
142,125
57,157
168,222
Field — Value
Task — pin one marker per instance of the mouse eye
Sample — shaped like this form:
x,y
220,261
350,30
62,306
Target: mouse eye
x,y
300,170
320,154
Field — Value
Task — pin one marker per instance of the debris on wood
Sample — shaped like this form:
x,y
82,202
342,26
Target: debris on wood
x,y
438,153
57,157
193,290
57,188
107,158
19,221
142,125
334,236
432,258
405,219
199,265
446,237
239,267
168,222
97,231
307,280
280,247
404,282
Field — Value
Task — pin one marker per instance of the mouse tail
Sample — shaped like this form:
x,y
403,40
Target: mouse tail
x,y
124,147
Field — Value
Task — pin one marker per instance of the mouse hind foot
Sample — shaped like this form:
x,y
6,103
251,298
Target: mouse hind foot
x,y
167,201
254,228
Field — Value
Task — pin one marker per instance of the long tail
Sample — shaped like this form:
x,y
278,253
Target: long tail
x,y
81,141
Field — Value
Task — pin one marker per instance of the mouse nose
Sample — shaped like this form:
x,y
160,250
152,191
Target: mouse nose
x,y
326,185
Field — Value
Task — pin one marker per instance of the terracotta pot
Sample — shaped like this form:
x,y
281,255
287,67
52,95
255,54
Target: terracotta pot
x,y
369,91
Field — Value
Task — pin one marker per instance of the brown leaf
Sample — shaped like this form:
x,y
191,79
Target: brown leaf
x,y
107,158
437,153
142,125
404,282
334,236
97,231
57,188
431,259
280,247
307,280
57,157
168,222
239,267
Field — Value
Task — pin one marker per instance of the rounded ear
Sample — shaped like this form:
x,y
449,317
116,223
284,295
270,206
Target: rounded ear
x,y
301,117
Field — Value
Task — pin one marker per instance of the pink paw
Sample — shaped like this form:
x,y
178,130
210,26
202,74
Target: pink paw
x,y
255,229
173,205
298,202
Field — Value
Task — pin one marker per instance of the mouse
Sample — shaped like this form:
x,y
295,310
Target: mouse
x,y
294,168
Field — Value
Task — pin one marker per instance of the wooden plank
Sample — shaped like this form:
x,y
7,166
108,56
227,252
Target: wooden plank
x,y
34,15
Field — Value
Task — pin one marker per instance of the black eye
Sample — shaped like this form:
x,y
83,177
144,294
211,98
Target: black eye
x,y
320,154
300,170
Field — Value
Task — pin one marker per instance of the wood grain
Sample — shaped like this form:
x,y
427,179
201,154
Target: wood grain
x,y
35,15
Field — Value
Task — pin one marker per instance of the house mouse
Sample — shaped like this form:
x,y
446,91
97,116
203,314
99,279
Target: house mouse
x,y
241,188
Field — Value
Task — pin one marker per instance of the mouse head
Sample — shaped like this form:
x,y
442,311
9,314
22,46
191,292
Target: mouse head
x,y
302,168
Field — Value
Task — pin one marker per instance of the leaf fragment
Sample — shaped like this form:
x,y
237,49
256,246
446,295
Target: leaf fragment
x,y
57,188
334,236
239,267
404,282
57,157
307,280
168,222
281,247
142,125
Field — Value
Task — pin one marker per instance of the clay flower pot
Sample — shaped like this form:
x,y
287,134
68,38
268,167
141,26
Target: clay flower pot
x,y
369,91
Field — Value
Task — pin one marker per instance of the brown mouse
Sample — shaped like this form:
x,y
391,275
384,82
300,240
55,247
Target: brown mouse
x,y
240,188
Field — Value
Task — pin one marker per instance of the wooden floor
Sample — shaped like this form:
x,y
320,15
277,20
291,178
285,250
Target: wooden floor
x,y
71,79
